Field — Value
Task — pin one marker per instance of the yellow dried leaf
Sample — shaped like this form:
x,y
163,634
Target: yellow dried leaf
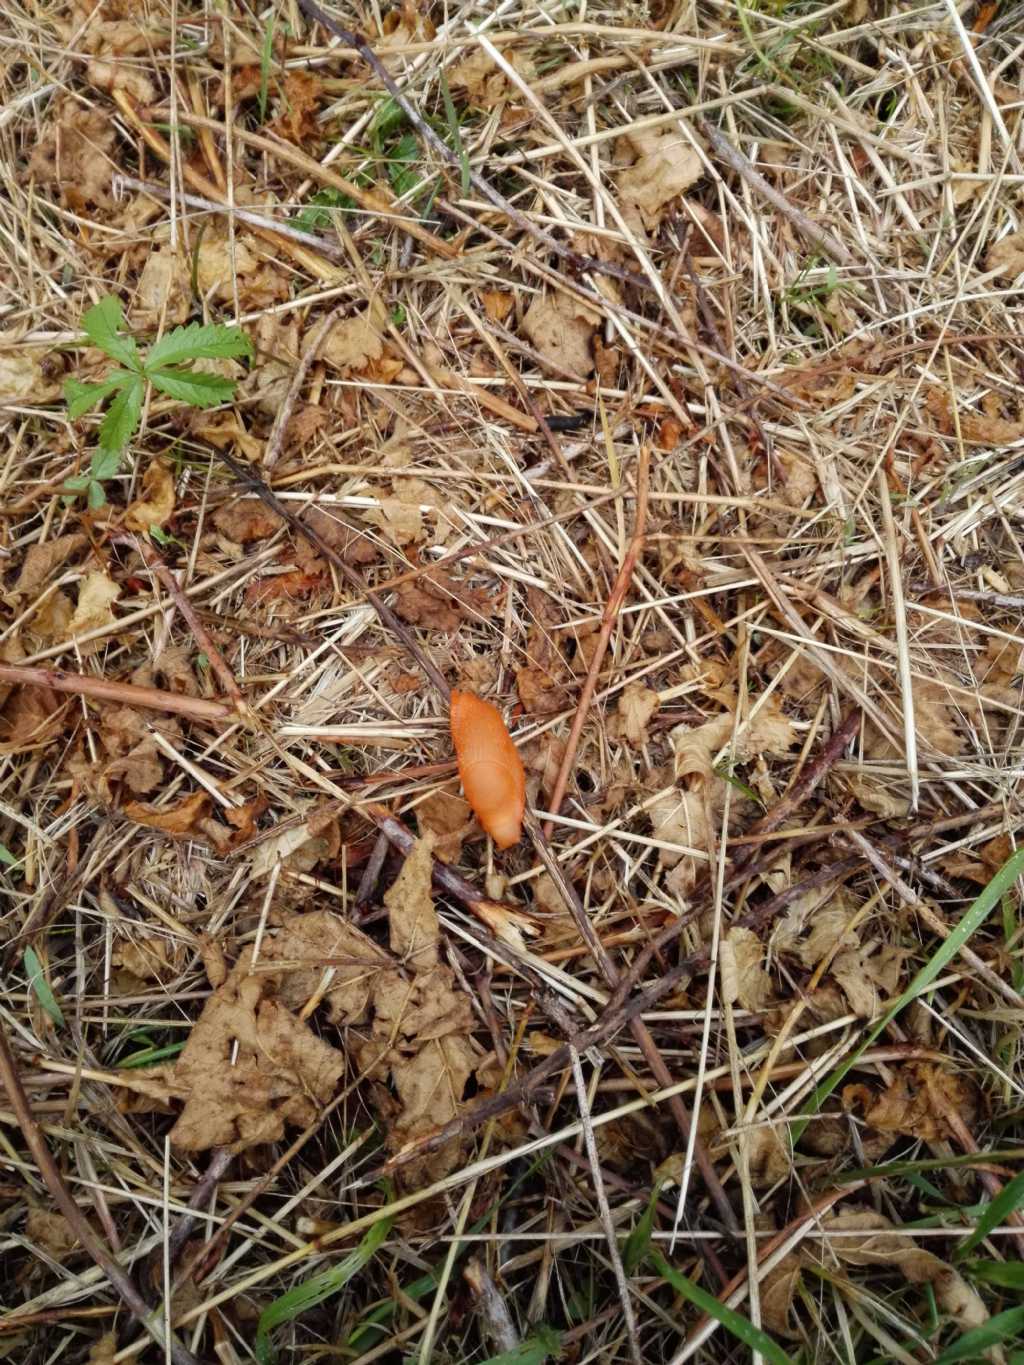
x,y
1007,256
399,521
560,327
178,820
352,343
414,928
637,704
665,166
42,560
96,593
156,505
743,977
164,290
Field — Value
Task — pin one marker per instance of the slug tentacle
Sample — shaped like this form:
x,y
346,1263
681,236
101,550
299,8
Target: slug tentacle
x,y
490,767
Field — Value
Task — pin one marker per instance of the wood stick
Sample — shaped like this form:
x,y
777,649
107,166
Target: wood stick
x,y
127,694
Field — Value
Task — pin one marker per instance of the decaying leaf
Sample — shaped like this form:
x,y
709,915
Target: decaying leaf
x,y
164,290
1007,256
156,504
23,379
411,913
637,705
103,1349
51,1232
741,963
281,1074
560,327
74,154
447,817
45,559
666,165
296,121
178,820
246,520
919,1102
484,82
96,594
352,343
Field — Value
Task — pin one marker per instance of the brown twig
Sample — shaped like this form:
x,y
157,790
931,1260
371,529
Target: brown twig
x,y
201,635
275,441
821,237
125,694
248,479
610,615
61,1195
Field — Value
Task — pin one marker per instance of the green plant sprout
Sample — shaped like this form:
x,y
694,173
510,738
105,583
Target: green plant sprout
x,y
168,366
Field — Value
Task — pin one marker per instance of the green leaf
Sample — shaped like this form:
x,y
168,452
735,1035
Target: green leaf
x,y
741,1328
122,419
198,341
543,1343
97,496
316,1289
102,324
974,1344
192,386
82,398
266,57
1006,1202
78,483
104,465
1003,1274
638,1243
7,857
37,980
971,921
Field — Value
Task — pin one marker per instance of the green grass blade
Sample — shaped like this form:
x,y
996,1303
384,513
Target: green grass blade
x,y
741,1328
37,980
974,1344
638,1243
972,920
1007,1201
199,341
1002,1274
535,1350
455,133
102,325
266,57
316,1289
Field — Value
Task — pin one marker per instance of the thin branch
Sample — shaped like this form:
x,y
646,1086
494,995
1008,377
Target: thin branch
x,y
125,694
79,1224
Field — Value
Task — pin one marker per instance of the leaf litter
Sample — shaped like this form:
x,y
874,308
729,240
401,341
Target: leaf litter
x,y
822,312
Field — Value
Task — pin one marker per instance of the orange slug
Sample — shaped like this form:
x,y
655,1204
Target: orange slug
x,y
490,768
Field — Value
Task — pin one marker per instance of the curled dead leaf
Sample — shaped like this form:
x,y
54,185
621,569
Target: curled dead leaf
x,y
561,327
665,166
178,820
156,505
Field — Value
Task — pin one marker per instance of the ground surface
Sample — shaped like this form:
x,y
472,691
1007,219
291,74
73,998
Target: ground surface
x,y
653,371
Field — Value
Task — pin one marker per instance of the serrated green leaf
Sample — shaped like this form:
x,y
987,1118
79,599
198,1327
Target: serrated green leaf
x,y
97,496
104,465
82,398
192,386
122,419
974,1345
102,325
741,1328
315,1290
41,987
78,483
198,341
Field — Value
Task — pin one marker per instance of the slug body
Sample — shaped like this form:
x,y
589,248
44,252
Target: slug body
x,y
490,768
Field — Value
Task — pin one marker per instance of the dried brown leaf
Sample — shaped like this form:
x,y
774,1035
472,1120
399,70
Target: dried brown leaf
x,y
637,704
741,963
561,327
665,166
246,520
156,505
179,820
51,1232
353,343
96,594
